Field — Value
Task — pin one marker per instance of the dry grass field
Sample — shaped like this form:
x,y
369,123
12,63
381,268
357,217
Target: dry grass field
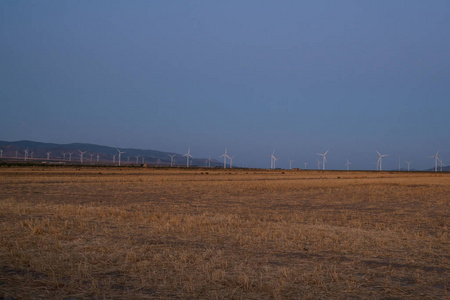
x,y
134,233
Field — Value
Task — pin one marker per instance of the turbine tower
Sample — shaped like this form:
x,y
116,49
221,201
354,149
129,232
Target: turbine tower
x,y
290,164
172,159
188,154
348,164
91,154
305,165
209,162
114,158
120,153
436,158
137,158
48,155
70,155
225,155
64,155
231,161
408,162
380,160
26,154
324,159
81,155
273,159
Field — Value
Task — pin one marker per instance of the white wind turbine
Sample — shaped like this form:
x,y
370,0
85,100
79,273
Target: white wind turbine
x,y
26,154
209,162
98,157
48,155
114,158
290,164
64,155
188,155
120,153
231,161
380,160
81,155
70,155
305,165
436,158
225,155
408,162
324,159
91,154
31,154
273,159
348,164
137,158
172,159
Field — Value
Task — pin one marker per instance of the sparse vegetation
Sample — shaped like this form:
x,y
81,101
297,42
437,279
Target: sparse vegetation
x,y
233,234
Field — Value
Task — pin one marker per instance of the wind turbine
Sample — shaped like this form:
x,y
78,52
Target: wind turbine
x,y
348,164
114,158
440,161
272,159
188,154
137,158
81,155
31,154
26,154
435,160
305,165
274,162
225,155
290,164
120,153
128,159
231,161
98,156
209,162
380,160
171,159
70,155
64,155
408,162
91,154
48,155
324,159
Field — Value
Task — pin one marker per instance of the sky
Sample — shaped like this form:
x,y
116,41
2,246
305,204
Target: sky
x,y
300,77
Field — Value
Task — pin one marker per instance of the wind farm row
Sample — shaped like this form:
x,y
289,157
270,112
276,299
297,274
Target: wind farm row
x,y
82,156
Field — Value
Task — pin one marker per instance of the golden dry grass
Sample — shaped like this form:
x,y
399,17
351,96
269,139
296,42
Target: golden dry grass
x,y
222,234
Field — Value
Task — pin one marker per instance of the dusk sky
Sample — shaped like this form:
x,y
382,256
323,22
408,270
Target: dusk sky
x,y
299,76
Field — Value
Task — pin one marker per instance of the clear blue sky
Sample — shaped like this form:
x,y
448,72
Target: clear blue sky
x,y
298,76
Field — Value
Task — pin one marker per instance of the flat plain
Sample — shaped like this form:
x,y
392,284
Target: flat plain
x,y
147,233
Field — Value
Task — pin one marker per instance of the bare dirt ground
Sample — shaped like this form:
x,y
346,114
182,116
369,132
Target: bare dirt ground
x,y
112,233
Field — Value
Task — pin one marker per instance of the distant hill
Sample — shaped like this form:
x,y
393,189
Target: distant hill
x,y
444,169
37,151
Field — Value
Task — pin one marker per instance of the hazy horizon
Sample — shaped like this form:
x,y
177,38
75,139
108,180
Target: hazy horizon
x,y
254,76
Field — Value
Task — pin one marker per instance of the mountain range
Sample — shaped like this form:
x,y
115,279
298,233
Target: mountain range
x,y
37,151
